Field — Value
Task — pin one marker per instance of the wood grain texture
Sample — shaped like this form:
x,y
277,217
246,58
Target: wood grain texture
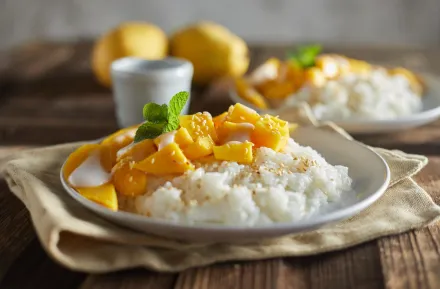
x,y
48,95
412,260
130,280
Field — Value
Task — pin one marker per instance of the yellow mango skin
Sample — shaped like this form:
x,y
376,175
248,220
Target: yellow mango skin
x,y
137,39
234,152
129,181
181,137
104,195
169,160
270,132
199,125
139,151
202,147
76,158
214,51
240,113
249,94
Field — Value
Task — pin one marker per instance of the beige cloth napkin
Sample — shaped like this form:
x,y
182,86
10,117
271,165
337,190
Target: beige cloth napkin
x,y
80,240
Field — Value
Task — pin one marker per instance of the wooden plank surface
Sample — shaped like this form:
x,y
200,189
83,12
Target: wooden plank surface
x,y
48,95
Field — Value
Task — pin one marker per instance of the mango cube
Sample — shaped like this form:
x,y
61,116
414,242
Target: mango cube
x,y
266,71
315,77
199,125
270,132
104,195
235,152
202,147
219,119
359,66
117,141
137,151
248,93
275,89
76,158
180,136
169,160
129,181
241,113
231,131
295,74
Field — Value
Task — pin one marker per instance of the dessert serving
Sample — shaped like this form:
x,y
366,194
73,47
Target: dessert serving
x,y
336,87
237,168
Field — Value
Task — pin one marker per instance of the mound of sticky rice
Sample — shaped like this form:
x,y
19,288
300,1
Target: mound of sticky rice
x,y
284,186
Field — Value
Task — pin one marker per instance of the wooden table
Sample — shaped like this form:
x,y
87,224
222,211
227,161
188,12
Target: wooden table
x,y
48,96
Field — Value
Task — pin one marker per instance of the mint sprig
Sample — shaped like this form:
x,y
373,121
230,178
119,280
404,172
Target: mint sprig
x,y
160,119
305,56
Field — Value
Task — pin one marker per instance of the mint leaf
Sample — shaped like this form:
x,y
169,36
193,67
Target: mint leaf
x,y
155,113
305,56
173,123
161,118
177,103
148,130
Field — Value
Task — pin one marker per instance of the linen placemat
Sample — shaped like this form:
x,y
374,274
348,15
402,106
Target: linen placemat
x,y
80,240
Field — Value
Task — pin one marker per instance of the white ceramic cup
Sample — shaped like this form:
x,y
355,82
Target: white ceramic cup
x,y
139,81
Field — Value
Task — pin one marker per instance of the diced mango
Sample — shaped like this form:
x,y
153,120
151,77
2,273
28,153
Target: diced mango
x,y
241,113
77,157
277,90
295,74
199,125
328,65
219,119
180,136
129,181
137,151
414,81
169,160
104,195
207,160
107,156
270,132
359,66
266,71
315,77
118,140
231,131
202,147
235,152
249,94
122,134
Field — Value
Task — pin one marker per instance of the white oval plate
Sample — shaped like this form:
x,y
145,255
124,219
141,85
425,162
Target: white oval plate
x,y
369,172
429,113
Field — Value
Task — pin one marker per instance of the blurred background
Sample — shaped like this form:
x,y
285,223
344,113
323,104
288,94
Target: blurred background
x,y
392,22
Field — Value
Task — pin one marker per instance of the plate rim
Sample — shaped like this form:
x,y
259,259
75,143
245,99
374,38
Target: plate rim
x,y
301,225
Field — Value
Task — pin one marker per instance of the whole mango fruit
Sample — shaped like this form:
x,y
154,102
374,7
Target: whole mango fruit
x,y
214,51
137,39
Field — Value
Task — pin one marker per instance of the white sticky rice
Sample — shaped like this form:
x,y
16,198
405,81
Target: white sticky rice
x,y
376,95
278,187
